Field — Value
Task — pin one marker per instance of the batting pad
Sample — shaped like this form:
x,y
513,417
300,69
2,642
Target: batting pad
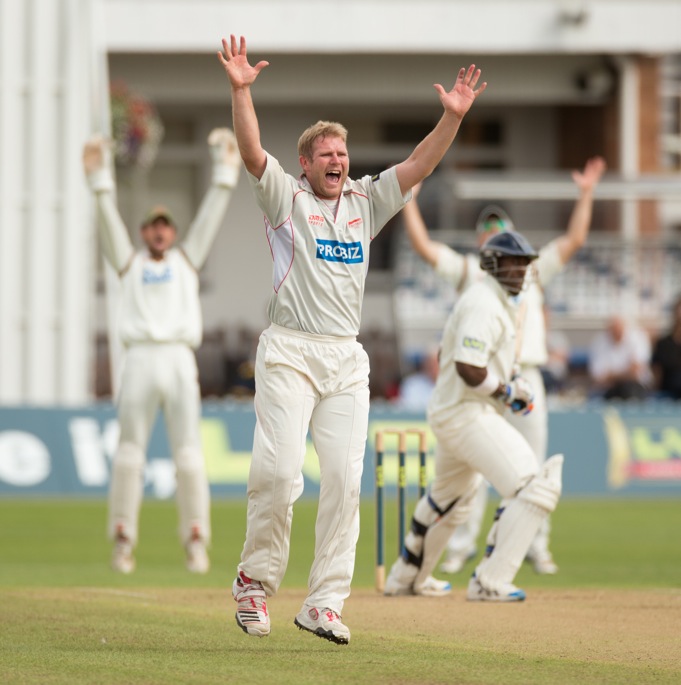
x,y
544,490
432,527
518,523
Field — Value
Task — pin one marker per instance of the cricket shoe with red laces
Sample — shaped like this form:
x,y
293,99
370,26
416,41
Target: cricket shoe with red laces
x,y
251,612
324,623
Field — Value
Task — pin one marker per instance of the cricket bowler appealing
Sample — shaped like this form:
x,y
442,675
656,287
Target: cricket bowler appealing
x,y
310,370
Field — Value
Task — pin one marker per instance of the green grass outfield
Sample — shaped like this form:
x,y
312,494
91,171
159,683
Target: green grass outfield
x,y
66,618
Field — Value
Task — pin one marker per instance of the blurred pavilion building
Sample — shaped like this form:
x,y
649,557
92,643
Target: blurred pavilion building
x,y
567,80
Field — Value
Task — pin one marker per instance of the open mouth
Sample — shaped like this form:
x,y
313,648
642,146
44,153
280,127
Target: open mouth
x,y
333,176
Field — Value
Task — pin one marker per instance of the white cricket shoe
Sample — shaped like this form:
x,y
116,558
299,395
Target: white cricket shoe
x,y
122,559
324,623
544,564
453,563
251,613
432,587
506,592
197,555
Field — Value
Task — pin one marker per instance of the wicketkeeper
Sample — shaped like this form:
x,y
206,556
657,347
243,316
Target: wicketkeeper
x,y
160,326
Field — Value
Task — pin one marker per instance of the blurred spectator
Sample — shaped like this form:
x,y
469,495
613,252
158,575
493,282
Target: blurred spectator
x,y
381,346
666,360
555,370
239,361
619,361
417,387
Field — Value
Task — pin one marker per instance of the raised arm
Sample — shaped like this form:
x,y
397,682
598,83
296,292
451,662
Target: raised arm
x,y
580,219
432,148
226,166
241,76
115,241
417,232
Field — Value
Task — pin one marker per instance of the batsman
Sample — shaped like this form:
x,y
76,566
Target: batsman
x,y
476,384
531,344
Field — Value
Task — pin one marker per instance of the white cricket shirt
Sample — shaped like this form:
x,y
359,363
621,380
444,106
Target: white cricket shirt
x,y
480,331
460,270
159,300
321,257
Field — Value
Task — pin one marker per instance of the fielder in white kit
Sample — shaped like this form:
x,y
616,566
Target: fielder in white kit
x,y
462,271
160,326
310,370
476,384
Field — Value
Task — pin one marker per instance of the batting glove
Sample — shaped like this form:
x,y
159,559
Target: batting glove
x,y
519,395
225,154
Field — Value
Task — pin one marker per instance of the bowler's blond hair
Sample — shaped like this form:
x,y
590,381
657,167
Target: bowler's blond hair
x,y
321,129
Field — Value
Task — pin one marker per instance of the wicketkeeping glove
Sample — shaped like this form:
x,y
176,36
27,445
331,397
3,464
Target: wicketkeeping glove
x,y
519,395
225,154
97,163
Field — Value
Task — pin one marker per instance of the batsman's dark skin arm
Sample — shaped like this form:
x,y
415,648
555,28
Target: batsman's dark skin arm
x,y
474,375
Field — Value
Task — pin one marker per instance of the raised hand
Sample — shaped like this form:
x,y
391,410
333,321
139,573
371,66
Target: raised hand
x,y
96,152
591,175
223,147
234,59
460,98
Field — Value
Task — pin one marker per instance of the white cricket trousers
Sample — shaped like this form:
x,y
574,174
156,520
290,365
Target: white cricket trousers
x,y
165,376
322,383
534,428
479,440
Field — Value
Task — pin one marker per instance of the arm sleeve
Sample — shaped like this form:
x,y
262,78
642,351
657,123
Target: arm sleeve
x,y
475,337
204,228
225,173
549,263
115,241
451,266
274,192
386,199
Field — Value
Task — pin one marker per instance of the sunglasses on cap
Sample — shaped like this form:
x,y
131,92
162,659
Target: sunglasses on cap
x,y
495,224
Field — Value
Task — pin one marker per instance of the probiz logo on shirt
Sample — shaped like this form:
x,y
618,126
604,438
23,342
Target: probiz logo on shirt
x,y
335,251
